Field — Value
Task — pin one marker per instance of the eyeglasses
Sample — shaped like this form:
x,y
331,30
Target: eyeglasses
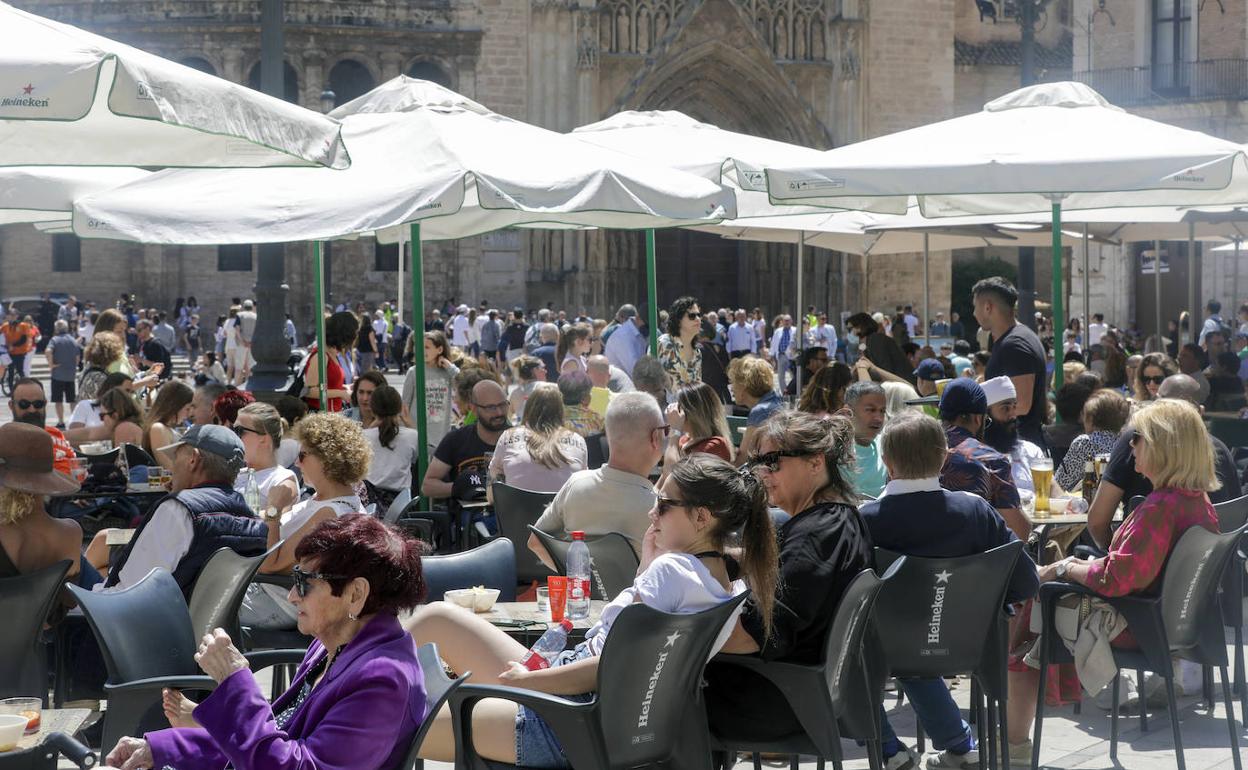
x,y
1153,380
667,429
301,578
770,462
38,403
239,430
664,504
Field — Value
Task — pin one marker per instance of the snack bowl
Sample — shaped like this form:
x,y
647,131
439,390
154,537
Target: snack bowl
x,y
12,727
1058,505
477,599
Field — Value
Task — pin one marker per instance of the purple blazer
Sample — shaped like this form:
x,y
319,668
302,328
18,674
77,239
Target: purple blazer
x,y
362,715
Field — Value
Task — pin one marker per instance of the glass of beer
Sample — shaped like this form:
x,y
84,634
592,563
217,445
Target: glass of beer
x,y
1042,477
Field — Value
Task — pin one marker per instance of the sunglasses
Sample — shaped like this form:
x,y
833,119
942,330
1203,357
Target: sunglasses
x,y
693,315
303,455
38,403
1152,380
771,461
301,578
239,430
664,504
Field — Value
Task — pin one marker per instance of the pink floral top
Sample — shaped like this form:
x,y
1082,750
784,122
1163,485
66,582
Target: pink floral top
x,y
1140,546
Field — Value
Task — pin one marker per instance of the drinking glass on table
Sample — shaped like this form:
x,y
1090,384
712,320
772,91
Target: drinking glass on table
x,y
1042,478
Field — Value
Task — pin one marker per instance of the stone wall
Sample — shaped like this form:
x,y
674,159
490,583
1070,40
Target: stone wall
x,y
909,66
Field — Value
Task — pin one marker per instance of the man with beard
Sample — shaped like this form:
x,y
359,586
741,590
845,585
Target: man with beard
x,y
1002,431
458,468
29,404
971,465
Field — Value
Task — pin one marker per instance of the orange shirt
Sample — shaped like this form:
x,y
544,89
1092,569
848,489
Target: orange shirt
x,y
13,334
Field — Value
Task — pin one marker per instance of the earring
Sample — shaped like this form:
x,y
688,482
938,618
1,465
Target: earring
x,y
350,616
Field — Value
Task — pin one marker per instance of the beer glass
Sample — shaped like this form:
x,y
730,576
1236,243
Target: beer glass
x,y
1042,478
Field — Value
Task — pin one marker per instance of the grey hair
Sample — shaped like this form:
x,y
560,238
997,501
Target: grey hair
x,y
548,332
627,416
60,327
860,389
217,468
914,446
543,315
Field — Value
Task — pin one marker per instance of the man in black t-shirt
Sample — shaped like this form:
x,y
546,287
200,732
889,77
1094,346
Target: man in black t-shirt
x,y
1016,353
151,352
1121,482
459,464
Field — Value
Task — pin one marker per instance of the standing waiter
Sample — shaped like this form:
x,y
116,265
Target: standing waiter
x,y
1016,353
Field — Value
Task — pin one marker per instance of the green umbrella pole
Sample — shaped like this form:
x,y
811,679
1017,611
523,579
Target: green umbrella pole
x,y
652,295
418,354
319,263
1058,320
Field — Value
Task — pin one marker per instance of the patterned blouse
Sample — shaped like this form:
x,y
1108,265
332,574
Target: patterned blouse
x,y
1082,450
1140,546
681,372
979,469
582,420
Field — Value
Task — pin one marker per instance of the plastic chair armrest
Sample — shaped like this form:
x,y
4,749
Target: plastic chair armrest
x,y
274,579
190,682
573,723
258,660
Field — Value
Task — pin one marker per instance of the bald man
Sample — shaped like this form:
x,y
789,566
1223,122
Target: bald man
x,y
459,464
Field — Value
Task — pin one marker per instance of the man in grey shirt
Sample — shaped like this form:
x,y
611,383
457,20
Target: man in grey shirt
x,y
164,333
245,329
63,353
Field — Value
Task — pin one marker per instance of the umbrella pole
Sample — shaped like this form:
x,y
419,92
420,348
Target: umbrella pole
x,y
318,261
801,336
418,327
1235,275
1058,320
652,295
927,295
1087,287
399,309
1193,301
1157,292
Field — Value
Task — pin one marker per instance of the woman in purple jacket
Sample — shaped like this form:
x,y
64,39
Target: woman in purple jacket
x,y
358,696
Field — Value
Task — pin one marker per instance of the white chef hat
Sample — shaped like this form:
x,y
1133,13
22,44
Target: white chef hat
x,y
999,389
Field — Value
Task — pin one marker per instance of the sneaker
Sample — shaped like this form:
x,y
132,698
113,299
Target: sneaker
x,y
947,760
906,759
1128,696
1189,677
1021,753
1155,691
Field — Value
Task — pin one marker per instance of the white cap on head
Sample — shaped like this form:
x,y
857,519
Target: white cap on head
x,y
999,389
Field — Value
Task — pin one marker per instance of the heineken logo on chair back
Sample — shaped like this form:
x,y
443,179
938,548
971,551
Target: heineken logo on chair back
x,y
937,617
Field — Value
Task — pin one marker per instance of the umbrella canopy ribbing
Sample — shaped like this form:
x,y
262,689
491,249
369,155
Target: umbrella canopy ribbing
x,y
72,98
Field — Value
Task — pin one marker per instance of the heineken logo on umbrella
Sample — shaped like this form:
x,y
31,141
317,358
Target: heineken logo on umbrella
x,y
24,99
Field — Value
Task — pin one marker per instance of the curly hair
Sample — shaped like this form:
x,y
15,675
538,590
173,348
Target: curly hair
x,y
15,505
752,375
104,349
341,330
339,443
676,314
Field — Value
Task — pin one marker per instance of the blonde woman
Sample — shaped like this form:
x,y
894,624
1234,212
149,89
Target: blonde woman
x,y
260,427
540,454
753,386
699,416
1172,450
30,539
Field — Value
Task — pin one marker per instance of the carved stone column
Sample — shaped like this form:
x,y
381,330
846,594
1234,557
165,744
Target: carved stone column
x,y
391,65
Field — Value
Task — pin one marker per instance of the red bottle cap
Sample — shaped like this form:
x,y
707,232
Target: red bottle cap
x,y
566,623
578,535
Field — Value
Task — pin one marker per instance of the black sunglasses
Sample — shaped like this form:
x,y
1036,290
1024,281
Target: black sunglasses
x,y
239,430
693,315
38,403
664,504
771,461
1153,380
301,578
107,414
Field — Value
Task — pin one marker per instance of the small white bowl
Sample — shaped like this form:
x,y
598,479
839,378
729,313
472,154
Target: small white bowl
x,y
12,727
1058,505
475,599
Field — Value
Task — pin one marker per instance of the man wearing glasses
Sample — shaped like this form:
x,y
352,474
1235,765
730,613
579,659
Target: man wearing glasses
x,y
458,468
618,496
201,515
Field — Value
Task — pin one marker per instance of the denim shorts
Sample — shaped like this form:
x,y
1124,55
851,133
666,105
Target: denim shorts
x,y
536,744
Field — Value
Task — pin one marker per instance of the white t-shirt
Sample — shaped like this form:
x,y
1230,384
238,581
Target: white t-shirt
x,y
287,452
231,339
392,468
459,331
300,512
87,413
676,583
162,543
265,479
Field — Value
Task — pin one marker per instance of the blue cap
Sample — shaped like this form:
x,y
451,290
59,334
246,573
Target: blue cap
x,y
963,396
930,369
214,439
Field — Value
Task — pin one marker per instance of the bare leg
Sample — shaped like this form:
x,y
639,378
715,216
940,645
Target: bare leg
x,y
466,642
178,708
97,551
1021,703
493,733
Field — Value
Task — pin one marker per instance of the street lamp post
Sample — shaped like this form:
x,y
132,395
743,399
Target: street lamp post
x,y
269,344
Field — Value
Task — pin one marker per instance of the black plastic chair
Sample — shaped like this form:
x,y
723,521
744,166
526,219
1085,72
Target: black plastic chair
x,y
433,527
25,602
613,562
516,510
967,636
647,709
597,452
1232,515
137,456
840,697
44,756
145,636
1182,621
492,565
255,640
219,591
438,689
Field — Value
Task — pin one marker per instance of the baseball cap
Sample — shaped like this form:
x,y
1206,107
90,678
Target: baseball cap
x,y
963,396
930,369
214,439
999,389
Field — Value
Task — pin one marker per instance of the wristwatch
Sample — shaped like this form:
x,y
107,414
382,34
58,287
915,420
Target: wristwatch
x,y
1062,569
271,514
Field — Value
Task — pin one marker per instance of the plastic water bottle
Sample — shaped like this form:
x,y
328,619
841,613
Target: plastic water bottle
x,y
548,647
578,577
252,492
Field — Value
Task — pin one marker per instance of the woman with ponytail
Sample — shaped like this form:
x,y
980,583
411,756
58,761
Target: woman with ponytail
x,y
822,547
395,449
703,505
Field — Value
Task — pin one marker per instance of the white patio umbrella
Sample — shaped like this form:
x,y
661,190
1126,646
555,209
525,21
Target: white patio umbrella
x,y
734,159
1045,147
69,97
47,193
421,155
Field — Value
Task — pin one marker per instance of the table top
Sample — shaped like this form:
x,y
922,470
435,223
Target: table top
x,y
504,613
68,721
1065,519
119,536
